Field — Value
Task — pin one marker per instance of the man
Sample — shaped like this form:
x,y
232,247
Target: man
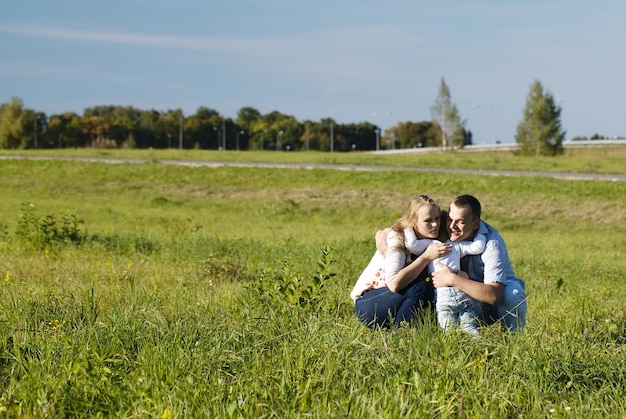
x,y
490,278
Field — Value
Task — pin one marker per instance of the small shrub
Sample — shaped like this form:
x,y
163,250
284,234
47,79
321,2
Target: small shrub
x,y
217,268
43,232
124,243
4,232
288,289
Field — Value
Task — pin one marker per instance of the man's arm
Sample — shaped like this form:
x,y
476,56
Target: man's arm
x,y
381,240
486,293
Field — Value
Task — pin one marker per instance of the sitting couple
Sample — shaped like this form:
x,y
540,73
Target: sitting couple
x,y
480,286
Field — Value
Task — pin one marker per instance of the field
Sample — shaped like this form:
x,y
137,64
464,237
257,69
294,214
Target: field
x,y
157,290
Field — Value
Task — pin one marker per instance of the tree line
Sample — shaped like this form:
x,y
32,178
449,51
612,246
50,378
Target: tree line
x,y
129,127
539,132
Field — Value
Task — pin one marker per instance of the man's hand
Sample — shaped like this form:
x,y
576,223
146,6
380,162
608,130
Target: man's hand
x,y
381,240
486,293
444,277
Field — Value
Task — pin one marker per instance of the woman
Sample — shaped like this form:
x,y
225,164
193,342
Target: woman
x,y
393,286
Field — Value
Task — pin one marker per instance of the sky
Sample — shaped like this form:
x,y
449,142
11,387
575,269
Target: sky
x,y
379,61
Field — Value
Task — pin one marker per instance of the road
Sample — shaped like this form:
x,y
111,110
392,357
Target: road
x,y
345,167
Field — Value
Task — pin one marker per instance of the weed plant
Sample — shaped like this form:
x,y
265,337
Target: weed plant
x,y
224,292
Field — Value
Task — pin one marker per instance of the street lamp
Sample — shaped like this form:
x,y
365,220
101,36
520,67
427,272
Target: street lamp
x,y
237,138
36,130
279,146
475,108
377,131
224,134
493,125
306,133
180,130
332,137
219,145
262,135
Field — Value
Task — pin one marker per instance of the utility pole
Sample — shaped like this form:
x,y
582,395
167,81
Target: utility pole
x,y
180,131
224,133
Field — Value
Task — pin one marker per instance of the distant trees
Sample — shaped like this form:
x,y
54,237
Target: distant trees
x,y
417,134
125,126
540,132
63,130
18,126
446,115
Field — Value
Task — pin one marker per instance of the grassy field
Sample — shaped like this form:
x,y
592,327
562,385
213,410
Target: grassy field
x,y
153,290
603,160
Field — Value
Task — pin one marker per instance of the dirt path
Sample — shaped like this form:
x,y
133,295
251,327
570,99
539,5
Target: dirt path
x,y
346,167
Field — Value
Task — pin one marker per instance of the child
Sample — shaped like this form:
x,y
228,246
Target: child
x,y
453,306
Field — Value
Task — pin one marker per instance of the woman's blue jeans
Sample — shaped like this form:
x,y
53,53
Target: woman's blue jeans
x,y
378,307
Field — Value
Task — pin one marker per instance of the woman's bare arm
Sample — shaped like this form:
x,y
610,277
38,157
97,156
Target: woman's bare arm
x,y
409,273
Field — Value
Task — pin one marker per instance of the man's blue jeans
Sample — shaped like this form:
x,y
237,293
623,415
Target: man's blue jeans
x,y
376,308
511,311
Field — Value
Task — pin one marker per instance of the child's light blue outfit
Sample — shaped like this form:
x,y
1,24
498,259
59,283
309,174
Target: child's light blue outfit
x,y
453,306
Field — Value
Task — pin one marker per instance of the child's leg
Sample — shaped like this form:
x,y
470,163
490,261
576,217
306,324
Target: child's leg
x,y
446,308
469,321
468,313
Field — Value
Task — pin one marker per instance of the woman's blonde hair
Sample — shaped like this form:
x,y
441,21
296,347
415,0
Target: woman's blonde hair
x,y
409,219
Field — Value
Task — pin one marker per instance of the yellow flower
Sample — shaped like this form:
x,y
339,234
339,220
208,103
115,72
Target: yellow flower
x,y
167,413
7,277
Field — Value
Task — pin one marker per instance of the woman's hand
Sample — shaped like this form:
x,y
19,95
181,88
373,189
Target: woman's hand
x,y
437,250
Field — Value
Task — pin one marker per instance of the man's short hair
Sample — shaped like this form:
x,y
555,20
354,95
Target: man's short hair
x,y
468,201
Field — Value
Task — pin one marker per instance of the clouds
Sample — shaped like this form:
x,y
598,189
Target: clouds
x,y
328,58
308,59
122,38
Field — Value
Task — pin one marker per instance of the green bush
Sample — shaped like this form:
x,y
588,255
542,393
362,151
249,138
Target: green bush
x,y
44,232
289,290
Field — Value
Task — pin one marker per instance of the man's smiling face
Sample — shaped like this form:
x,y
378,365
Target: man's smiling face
x,y
461,223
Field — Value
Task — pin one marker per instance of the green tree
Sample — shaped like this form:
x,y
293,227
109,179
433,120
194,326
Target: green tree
x,y
168,128
17,125
199,128
314,134
247,117
278,131
416,134
356,137
65,130
145,133
446,115
540,132
292,132
124,122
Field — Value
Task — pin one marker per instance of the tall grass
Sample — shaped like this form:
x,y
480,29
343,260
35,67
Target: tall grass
x,y
207,292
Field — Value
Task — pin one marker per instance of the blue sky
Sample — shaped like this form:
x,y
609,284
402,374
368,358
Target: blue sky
x,y
368,60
